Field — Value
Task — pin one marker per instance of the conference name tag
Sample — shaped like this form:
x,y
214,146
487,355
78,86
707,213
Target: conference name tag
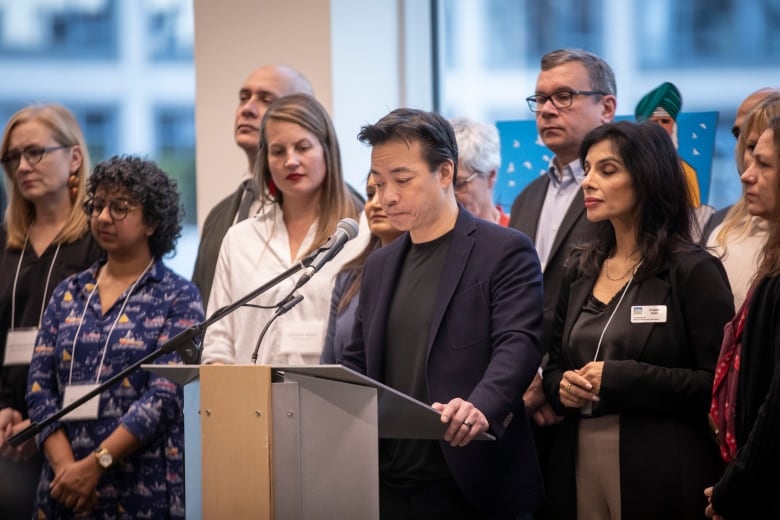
x,y
86,411
648,314
302,337
19,346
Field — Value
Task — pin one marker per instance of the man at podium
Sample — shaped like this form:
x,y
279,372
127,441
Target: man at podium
x,y
450,314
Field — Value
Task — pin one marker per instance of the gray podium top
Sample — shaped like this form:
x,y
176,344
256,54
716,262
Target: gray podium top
x,y
400,416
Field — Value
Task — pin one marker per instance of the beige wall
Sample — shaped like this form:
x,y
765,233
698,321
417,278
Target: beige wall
x,y
232,38
363,57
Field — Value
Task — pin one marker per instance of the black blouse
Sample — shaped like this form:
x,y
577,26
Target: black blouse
x,y
30,298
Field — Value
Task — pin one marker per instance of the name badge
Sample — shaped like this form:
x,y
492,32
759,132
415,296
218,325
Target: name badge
x,y
302,337
648,314
19,346
86,411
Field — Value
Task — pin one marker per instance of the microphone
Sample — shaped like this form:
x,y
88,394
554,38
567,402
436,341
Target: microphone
x,y
346,230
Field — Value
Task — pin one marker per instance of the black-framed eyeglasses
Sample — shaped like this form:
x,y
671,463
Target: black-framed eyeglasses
x,y
460,186
117,208
560,99
32,154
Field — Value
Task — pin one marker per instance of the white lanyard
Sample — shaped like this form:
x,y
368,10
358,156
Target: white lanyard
x,y
45,288
604,330
587,408
111,330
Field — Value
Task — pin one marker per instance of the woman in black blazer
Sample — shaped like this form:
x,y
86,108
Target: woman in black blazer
x,y
751,421
635,340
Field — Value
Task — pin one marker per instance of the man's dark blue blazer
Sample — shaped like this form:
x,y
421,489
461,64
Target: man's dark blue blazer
x,y
484,346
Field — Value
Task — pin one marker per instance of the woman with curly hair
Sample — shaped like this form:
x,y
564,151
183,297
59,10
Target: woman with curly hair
x,y
120,455
45,238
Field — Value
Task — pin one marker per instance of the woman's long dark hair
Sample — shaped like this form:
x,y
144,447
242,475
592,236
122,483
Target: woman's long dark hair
x,y
663,207
355,268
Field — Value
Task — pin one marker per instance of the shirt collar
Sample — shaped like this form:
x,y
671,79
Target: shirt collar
x,y
571,172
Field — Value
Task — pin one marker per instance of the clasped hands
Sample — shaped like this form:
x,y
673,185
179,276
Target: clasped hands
x,y
464,420
74,485
581,386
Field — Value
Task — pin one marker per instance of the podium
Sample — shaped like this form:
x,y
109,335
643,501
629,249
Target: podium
x,y
289,442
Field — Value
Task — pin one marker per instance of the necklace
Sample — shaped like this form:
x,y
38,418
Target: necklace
x,y
621,277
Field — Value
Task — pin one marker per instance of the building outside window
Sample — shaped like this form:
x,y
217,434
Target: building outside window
x,y
489,51
124,68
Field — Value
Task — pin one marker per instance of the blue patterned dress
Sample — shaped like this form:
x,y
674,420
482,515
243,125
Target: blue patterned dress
x,y
150,482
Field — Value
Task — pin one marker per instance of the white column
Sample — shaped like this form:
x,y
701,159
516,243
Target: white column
x,y
359,56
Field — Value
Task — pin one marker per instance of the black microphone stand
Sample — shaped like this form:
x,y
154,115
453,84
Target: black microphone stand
x,y
185,343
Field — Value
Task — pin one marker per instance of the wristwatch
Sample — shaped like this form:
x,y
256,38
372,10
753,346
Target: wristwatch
x,y
104,458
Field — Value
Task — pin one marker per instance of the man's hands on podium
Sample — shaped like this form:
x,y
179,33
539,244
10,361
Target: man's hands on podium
x,y
464,419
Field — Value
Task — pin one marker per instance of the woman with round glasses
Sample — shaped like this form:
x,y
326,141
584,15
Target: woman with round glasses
x,y
120,455
45,237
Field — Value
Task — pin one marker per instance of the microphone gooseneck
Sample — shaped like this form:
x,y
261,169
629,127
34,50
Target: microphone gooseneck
x,y
288,304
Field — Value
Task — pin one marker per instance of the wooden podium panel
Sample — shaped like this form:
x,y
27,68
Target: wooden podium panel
x,y
236,426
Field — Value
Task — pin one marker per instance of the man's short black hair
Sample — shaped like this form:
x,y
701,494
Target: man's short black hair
x,y
432,131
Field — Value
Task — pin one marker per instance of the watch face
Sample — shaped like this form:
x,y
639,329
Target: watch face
x,y
105,459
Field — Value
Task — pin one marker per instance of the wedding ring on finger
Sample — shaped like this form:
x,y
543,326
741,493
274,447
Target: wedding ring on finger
x,y
568,388
467,424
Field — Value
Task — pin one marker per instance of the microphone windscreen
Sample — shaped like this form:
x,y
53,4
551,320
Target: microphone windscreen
x,y
349,226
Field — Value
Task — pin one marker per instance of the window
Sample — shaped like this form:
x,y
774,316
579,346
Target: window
x,y
169,30
45,29
175,129
97,122
701,33
489,56
104,60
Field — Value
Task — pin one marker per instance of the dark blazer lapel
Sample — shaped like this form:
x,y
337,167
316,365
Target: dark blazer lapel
x,y
530,208
653,291
457,258
573,214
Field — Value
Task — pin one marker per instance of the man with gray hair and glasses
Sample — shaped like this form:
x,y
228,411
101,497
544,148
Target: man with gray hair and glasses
x,y
575,92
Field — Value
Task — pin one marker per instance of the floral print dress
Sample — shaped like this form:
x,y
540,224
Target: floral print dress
x,y
149,483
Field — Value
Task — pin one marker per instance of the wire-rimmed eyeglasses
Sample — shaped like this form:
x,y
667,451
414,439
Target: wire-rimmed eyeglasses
x,y
560,99
32,154
117,208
